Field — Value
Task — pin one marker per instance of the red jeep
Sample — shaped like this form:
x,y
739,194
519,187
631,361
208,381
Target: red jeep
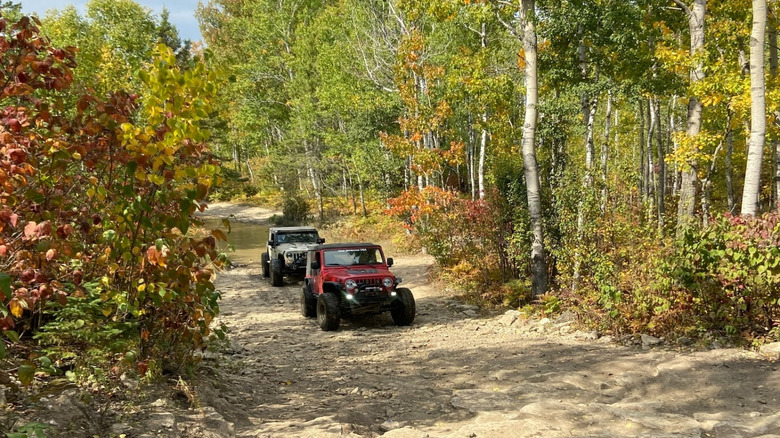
x,y
345,279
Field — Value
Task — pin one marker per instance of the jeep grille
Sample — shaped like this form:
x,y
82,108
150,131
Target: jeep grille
x,y
297,255
369,281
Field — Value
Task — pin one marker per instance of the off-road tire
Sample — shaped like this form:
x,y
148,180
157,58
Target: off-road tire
x,y
404,307
308,303
328,312
277,278
266,261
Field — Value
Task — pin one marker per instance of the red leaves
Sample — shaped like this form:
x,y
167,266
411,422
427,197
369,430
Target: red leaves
x,y
9,217
78,276
17,155
28,275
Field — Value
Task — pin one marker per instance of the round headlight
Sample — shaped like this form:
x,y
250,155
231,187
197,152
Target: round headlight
x,y
350,284
288,255
388,282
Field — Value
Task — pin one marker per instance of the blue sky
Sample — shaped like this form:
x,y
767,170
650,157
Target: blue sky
x,y
182,12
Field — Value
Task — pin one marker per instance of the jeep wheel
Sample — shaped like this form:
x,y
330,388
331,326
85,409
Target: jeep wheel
x,y
308,305
328,314
277,278
404,308
266,262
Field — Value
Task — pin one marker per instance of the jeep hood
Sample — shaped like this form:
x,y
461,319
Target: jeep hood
x,y
294,247
360,271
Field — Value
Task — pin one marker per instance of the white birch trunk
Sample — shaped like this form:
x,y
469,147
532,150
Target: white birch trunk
x,y
531,168
484,139
755,157
482,149
605,153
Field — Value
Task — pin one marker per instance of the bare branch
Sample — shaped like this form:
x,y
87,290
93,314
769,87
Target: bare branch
x,y
683,6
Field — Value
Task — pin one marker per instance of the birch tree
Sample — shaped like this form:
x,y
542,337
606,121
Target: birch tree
x,y
696,20
750,193
527,34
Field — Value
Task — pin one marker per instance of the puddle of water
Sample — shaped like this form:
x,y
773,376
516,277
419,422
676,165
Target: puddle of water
x,y
245,241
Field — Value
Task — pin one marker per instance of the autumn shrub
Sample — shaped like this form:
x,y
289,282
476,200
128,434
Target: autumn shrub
x,y
470,239
96,202
724,278
619,259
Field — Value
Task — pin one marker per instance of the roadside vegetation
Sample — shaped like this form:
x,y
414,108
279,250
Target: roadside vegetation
x,y
617,159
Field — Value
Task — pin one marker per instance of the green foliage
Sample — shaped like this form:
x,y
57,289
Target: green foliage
x,y
728,276
295,209
30,430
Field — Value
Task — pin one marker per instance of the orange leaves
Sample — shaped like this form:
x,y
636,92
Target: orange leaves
x,y
157,256
219,235
35,231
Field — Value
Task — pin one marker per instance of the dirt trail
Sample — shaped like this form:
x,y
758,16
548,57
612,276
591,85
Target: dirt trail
x,y
458,372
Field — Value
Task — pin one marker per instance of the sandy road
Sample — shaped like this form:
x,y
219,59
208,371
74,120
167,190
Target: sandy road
x,y
459,372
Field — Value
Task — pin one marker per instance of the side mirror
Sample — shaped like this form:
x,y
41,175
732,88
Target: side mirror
x,y
270,243
389,262
314,266
321,240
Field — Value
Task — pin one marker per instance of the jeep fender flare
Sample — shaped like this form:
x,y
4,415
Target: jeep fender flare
x,y
332,286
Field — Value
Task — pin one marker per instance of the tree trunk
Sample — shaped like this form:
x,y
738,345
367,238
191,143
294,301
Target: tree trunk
x,y
482,148
352,194
729,183
470,155
775,141
672,129
661,173
651,174
315,182
531,168
484,139
696,20
642,173
360,188
605,153
650,187
750,192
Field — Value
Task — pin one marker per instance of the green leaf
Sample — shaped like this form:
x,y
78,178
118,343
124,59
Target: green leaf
x,y
5,285
12,335
26,373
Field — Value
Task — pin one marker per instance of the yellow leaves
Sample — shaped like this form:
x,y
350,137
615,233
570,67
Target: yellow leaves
x,y
693,149
155,178
712,100
15,306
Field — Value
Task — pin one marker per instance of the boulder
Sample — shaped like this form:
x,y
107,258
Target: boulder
x,y
649,341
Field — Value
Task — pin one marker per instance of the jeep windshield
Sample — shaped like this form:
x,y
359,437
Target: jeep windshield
x,y
353,257
302,237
